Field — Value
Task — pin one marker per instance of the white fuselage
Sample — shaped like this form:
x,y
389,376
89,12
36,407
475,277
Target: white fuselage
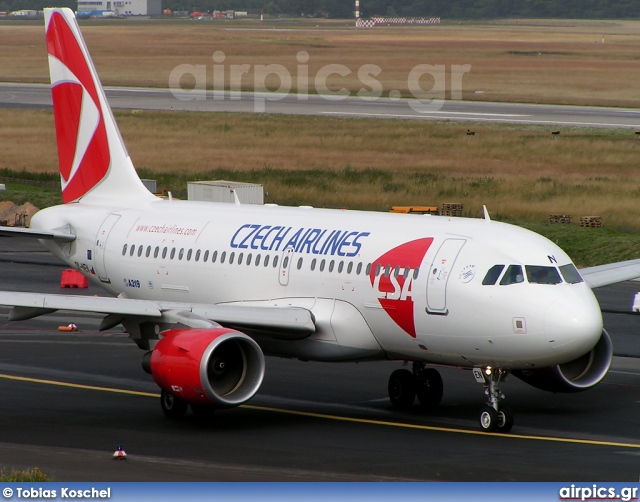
x,y
379,285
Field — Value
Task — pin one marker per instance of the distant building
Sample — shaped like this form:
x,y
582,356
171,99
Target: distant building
x,y
121,7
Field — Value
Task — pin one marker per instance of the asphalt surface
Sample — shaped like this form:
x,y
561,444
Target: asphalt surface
x,y
554,116
69,399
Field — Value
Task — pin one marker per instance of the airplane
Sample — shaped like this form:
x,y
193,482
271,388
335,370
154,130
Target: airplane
x,y
208,289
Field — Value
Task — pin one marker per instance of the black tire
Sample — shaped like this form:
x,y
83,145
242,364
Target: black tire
x,y
172,406
488,419
429,388
402,389
505,419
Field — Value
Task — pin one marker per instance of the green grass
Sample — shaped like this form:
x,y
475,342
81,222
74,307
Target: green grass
x,y
586,246
21,476
38,197
590,246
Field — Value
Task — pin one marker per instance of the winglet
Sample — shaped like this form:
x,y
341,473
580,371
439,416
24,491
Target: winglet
x,y
486,213
92,157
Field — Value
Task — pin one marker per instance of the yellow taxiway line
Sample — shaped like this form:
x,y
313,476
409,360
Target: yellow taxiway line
x,y
341,418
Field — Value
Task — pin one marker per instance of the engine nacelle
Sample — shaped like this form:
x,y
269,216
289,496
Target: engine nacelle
x,y
220,366
580,374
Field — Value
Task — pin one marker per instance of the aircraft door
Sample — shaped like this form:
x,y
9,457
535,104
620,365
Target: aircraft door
x,y
439,274
101,243
285,266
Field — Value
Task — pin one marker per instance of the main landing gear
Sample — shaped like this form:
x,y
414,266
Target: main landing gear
x,y
423,383
494,417
175,408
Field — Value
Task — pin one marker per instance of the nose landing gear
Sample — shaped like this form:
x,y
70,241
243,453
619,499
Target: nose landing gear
x,y
493,417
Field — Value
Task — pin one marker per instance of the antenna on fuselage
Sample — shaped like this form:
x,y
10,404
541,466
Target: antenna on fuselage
x,y
486,213
236,200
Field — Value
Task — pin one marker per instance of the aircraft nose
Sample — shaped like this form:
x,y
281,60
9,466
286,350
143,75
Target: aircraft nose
x,y
574,321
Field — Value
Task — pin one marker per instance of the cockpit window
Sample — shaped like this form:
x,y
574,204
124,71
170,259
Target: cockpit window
x,y
492,275
542,275
513,275
570,274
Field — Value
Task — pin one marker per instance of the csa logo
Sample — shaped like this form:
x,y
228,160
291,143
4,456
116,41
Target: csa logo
x,y
394,282
83,148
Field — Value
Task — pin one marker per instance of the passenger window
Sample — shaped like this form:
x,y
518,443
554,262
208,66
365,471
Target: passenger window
x,y
132,250
249,259
349,267
340,266
542,275
492,275
124,250
331,264
156,251
181,254
313,264
206,256
173,253
148,251
570,274
214,256
513,275
198,255
378,269
359,268
232,257
164,253
258,258
140,249
285,262
275,261
387,270
396,271
415,273
299,263
266,261
368,270
406,272
322,266
189,253
239,259
223,256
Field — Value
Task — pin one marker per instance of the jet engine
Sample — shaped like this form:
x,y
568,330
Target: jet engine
x,y
220,367
574,376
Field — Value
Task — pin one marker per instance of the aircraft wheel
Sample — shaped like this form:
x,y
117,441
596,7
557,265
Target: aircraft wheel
x,y
402,389
172,406
505,419
489,419
429,388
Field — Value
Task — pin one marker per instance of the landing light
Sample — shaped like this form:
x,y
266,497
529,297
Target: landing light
x,y
487,370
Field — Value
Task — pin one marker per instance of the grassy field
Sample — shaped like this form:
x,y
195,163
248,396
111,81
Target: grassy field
x,y
521,60
521,173
518,172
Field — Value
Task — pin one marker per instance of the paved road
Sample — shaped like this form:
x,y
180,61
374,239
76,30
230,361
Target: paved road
x,y
553,116
310,421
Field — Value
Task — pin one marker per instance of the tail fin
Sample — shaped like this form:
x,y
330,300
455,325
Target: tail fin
x,y
93,160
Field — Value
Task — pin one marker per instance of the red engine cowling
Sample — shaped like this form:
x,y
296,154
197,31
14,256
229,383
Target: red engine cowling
x,y
217,366
574,376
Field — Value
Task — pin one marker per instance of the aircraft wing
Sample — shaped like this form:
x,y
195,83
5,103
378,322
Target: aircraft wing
x,y
611,273
36,234
280,322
